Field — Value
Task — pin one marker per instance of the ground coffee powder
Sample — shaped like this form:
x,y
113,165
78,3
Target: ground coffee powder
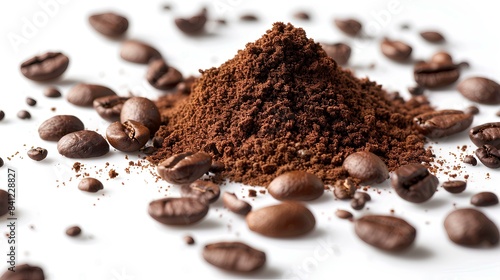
x,y
282,104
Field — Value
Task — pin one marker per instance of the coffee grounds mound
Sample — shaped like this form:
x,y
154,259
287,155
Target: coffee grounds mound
x,y
282,104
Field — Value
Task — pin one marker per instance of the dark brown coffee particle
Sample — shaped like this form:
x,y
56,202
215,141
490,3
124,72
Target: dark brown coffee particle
x,y
189,240
469,159
484,199
30,101
24,115
52,92
343,214
73,231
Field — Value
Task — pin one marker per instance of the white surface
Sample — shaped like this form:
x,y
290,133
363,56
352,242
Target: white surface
x,y
120,241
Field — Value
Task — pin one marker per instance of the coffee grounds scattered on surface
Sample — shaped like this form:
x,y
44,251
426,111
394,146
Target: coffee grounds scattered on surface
x,y
282,104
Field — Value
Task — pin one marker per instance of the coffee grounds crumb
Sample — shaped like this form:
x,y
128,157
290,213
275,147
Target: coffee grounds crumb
x,y
77,166
189,240
112,174
252,193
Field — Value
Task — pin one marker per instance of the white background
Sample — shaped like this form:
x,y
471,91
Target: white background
x,y
120,241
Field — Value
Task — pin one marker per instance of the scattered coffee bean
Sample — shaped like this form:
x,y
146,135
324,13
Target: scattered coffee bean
x,y
178,211
85,94
52,92
217,167
480,90
109,107
141,110
343,214
435,75
47,66
387,233
30,101
350,27
202,190
184,168
472,110
24,115
37,154
138,52
442,58
90,184
73,231
189,240
469,159
193,25
24,272
302,15
340,52
486,134
416,90
235,205
470,227
157,141
162,76
414,183
234,256
484,199
4,202
1,162
489,156
82,144
2,115
148,150
109,24
455,186
358,204
129,136
442,123
367,167
432,36
56,127
344,188
288,219
362,195
249,17
296,185
396,50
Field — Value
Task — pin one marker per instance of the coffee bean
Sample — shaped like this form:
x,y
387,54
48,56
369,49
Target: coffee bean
x,y
184,168
52,92
486,134
414,183
235,205
288,219
387,233
149,150
350,27
90,184
367,167
234,256
37,154
340,52
141,110
416,90
435,75
2,115
217,167
396,50
362,195
4,202
202,190
138,52
178,210
484,199
47,66
470,227
24,115
85,94
302,15
162,76
56,127
344,188
73,231
432,36
24,272
358,204
193,25
109,24
489,156
1,162
249,17
129,136
30,101
455,186
189,240
296,185
442,58
437,124
109,107
480,90
82,144
472,110
470,160
343,214
157,141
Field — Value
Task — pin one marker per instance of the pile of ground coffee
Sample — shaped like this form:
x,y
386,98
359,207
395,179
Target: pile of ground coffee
x,y
282,104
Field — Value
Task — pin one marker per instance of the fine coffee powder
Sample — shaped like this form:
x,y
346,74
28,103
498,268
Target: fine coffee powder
x,y
282,104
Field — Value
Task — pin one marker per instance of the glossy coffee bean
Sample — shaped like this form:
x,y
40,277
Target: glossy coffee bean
x,y
178,210
349,26
484,199
162,76
47,66
486,134
344,188
109,107
489,156
455,186
436,75
184,168
234,256
90,184
73,231
23,115
138,52
82,144
85,94
202,190
367,167
480,90
4,202
387,233
432,36
109,24
471,228
442,58
469,159
414,183
37,154
141,110
129,136
57,126
235,205
24,272
396,50
437,124
296,185
52,92
343,214
340,52
193,25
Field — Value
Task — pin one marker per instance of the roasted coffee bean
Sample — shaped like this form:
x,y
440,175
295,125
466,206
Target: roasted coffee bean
x,y
387,233
1,162
85,94
129,136
416,90
350,27
486,134
442,123
82,144
235,205
73,231
484,199
296,185
363,196
340,52
157,141
367,167
358,204
58,126
396,50
202,190
24,115
480,90
184,168
288,219
432,36
109,24
472,110
162,76
90,184
189,240
194,25
470,227
414,183
455,186
489,156
37,154
47,66
149,150
442,58
138,52
52,92
30,101
23,272
249,17
435,75
2,115
217,167
4,202
142,110
343,214
234,256
302,15
178,210
109,107
344,188
470,160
